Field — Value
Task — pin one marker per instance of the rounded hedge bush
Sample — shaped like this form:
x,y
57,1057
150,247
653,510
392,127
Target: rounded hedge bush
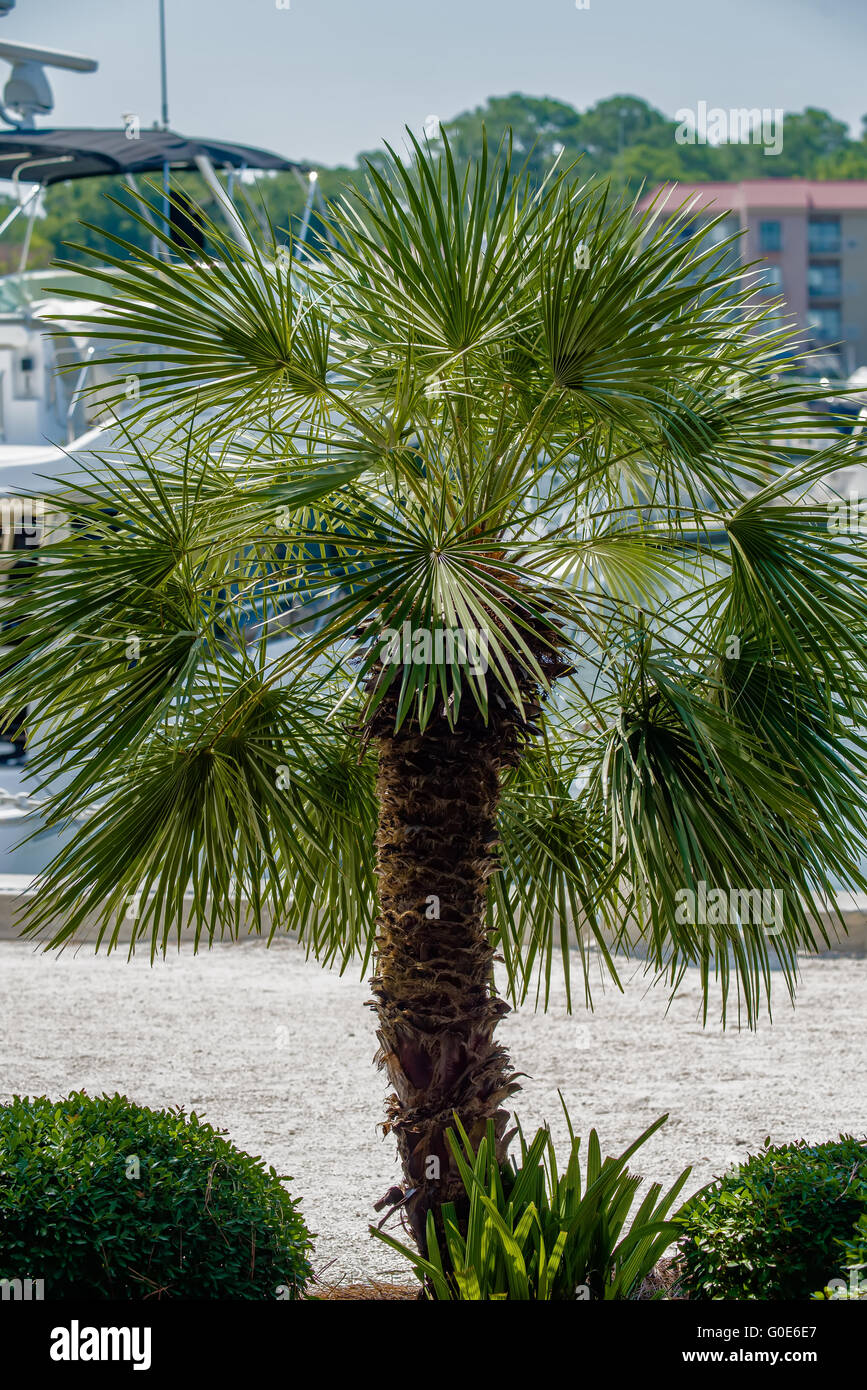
x,y
773,1227
102,1198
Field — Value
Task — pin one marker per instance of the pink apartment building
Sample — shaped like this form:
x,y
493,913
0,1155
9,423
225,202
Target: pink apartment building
x,y
812,235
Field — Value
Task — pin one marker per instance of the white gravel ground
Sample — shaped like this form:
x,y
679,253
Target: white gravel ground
x,y
278,1052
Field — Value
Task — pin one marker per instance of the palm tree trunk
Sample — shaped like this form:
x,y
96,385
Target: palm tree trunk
x,y
434,994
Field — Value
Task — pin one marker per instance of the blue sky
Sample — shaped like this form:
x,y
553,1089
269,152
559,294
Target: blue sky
x,y
326,78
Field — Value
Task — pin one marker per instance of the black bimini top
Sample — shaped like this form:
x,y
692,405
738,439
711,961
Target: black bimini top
x,y
53,156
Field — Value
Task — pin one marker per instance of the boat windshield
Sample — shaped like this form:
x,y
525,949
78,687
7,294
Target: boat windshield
x,y
19,291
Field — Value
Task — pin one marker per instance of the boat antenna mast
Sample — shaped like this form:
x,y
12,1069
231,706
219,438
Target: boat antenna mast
x,y
28,93
164,82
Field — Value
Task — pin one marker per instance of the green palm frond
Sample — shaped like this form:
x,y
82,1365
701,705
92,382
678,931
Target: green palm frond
x,y
525,411
558,886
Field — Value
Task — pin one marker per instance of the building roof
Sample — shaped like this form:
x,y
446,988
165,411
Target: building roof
x,y
53,156
783,195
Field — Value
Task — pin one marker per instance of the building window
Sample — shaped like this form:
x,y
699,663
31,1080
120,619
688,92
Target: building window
x,y
823,235
687,227
770,236
772,279
823,280
825,324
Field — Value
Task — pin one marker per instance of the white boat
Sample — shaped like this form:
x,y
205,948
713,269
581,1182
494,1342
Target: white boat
x,y
49,411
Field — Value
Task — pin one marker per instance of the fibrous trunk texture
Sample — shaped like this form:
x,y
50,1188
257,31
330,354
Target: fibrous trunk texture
x,y
437,1010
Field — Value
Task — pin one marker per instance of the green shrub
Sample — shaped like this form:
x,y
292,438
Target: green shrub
x,y
851,1279
770,1228
105,1199
533,1233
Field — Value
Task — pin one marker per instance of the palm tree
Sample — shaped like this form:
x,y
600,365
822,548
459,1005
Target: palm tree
x,y
457,595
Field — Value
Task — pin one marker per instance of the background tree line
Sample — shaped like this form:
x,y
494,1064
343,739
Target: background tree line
x,y
622,137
